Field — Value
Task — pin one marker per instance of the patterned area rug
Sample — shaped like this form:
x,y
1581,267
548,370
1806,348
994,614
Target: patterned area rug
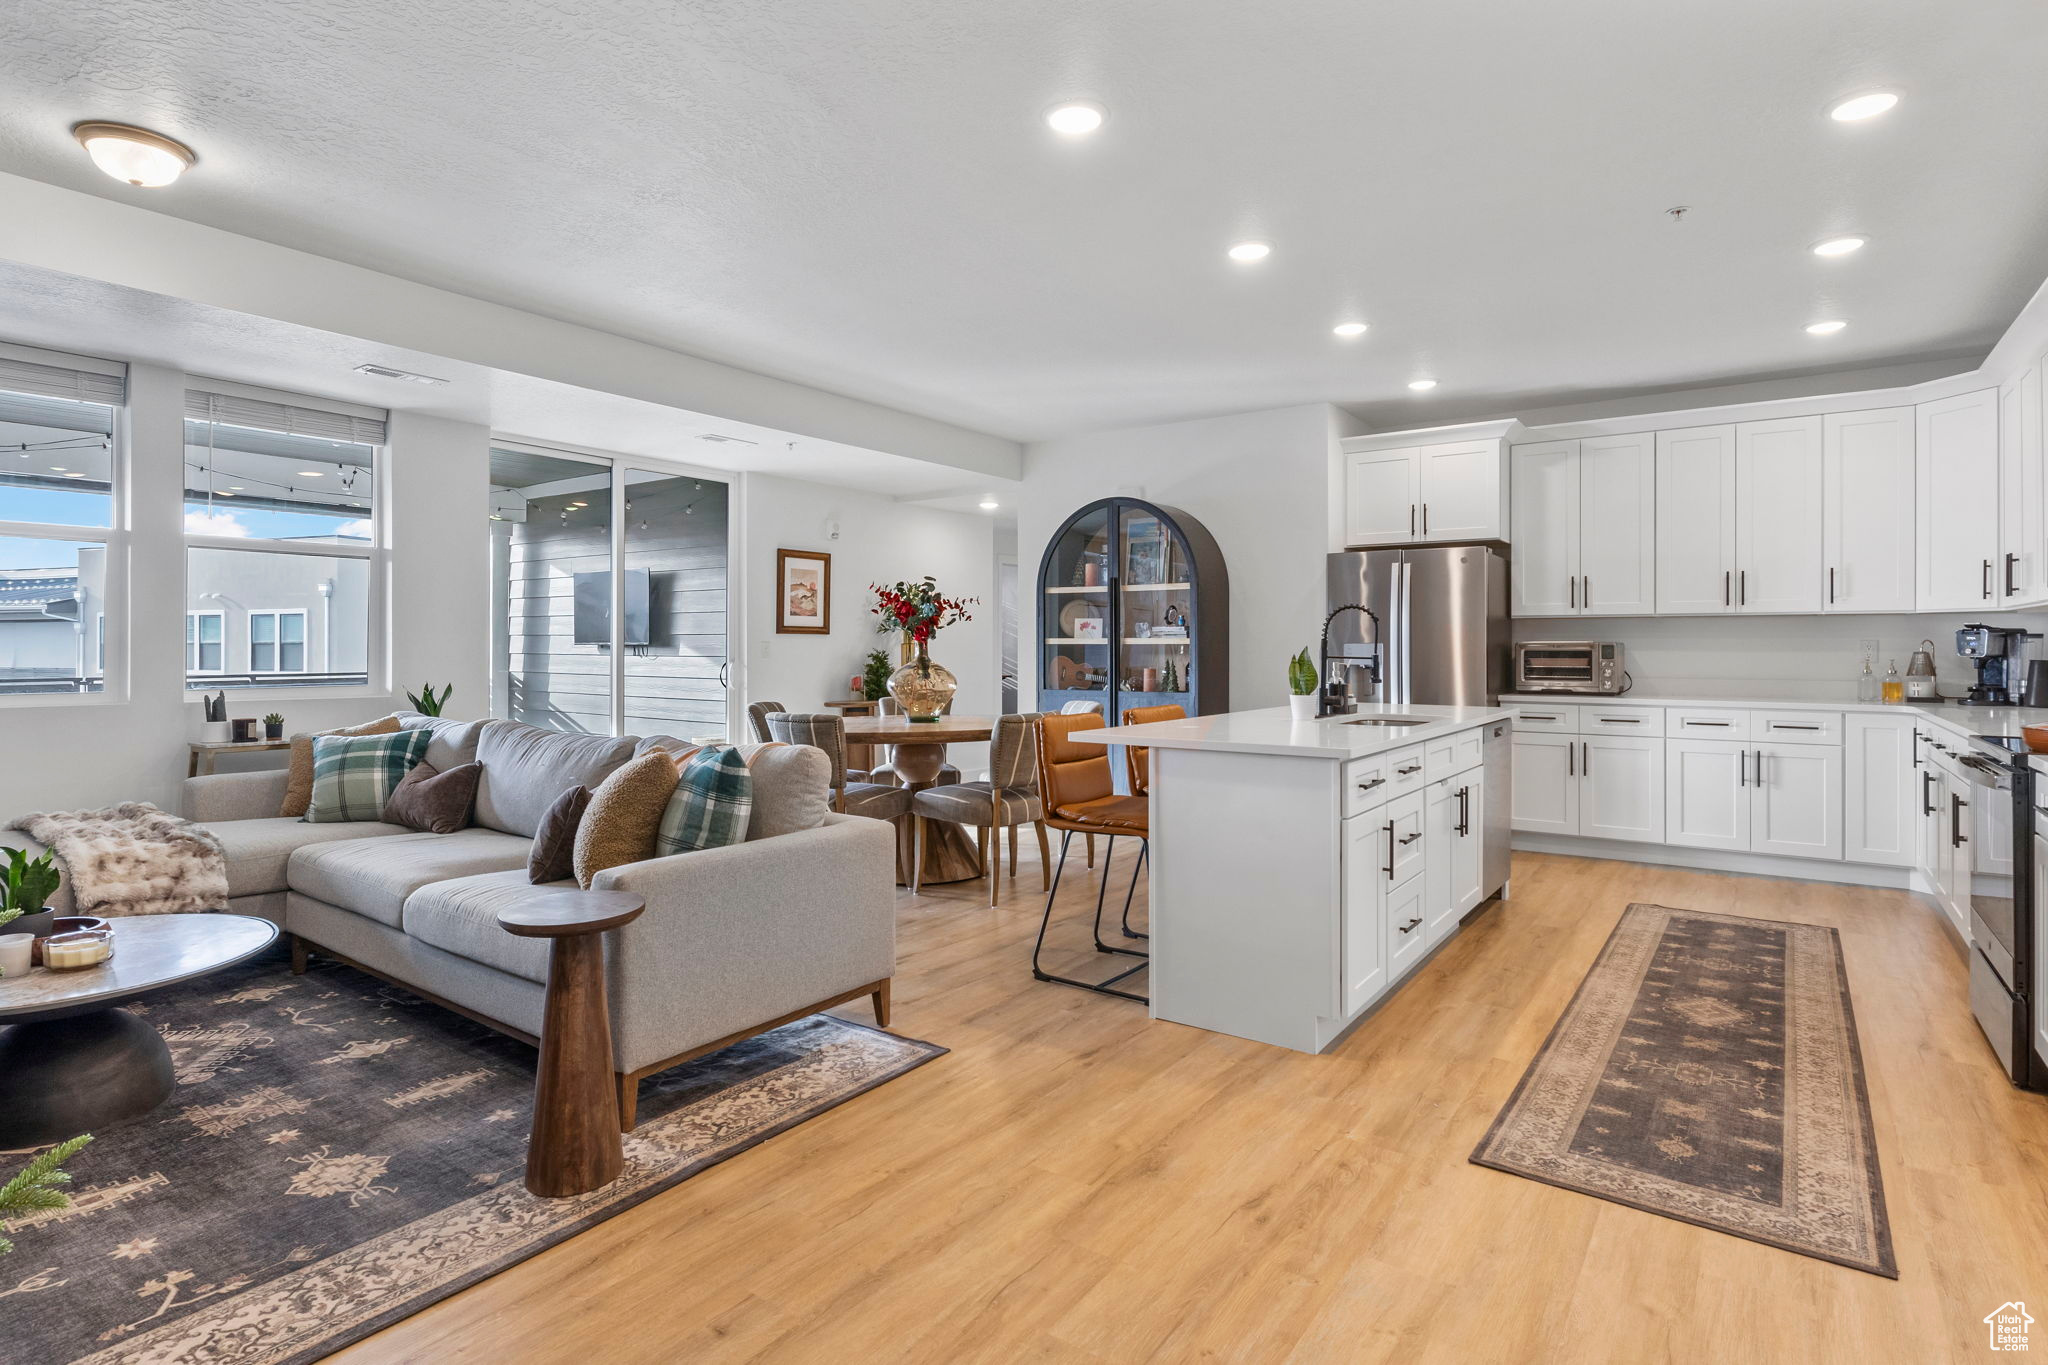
x,y
1708,1070
339,1154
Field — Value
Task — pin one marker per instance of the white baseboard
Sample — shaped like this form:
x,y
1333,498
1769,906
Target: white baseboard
x,y
1717,860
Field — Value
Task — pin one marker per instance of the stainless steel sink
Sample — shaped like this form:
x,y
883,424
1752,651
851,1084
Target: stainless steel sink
x,y
1388,720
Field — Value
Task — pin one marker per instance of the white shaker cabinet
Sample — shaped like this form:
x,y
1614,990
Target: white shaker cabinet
x,y
1867,501
1544,483
1365,899
1778,493
1544,795
1382,498
1455,819
1706,794
2021,507
1621,788
1585,526
1795,793
1881,820
1696,520
1441,494
1956,488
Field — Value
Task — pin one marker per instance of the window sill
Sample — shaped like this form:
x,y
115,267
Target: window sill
x,y
49,699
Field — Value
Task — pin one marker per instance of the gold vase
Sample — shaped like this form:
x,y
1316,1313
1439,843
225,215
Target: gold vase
x,y
922,688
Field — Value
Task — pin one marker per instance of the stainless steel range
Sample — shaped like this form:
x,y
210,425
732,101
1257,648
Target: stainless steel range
x,y
2002,925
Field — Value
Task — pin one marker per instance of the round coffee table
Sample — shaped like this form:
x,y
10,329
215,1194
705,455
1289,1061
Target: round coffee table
x,y
73,1059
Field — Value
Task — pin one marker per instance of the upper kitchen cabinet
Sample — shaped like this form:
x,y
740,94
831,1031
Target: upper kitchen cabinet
x,y
1867,532
1739,518
1956,462
1437,493
1696,521
2021,505
1584,517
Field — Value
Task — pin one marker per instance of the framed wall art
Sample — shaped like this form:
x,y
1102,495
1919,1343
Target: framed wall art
x,y
803,592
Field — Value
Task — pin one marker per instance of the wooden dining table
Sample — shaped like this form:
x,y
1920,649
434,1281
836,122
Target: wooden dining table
x,y
920,752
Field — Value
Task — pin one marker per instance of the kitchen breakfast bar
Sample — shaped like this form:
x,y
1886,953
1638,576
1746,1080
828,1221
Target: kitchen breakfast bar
x,y
1300,870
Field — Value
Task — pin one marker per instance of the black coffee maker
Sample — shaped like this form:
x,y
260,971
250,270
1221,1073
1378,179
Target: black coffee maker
x,y
2000,656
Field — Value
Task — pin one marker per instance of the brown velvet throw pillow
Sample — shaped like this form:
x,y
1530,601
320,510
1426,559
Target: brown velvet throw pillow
x,y
624,813
553,858
434,801
298,783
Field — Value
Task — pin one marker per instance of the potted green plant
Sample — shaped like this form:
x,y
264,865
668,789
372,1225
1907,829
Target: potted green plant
x,y
26,885
425,702
874,679
1301,683
273,726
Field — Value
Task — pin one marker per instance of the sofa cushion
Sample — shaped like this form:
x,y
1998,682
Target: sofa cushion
x,y
298,786
373,877
453,742
791,791
460,916
620,823
354,775
435,801
526,768
554,848
712,799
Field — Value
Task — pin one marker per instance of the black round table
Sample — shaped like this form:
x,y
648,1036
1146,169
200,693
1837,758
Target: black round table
x,y
71,1059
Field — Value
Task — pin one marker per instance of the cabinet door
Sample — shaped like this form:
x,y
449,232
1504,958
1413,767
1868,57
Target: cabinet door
x,y
1461,492
1365,926
1706,794
1955,460
2020,491
1468,851
1696,521
1621,788
1411,838
1544,481
1407,934
1867,509
1927,816
1795,806
1381,499
1778,516
1617,526
1545,784
1881,820
1440,820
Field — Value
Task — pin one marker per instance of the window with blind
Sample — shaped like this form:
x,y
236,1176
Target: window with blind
x,y
280,526
58,531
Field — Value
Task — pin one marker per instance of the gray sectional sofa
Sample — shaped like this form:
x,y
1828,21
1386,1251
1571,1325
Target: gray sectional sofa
x,y
733,941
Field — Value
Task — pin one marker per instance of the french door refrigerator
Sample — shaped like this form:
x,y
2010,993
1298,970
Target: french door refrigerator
x,y
1439,627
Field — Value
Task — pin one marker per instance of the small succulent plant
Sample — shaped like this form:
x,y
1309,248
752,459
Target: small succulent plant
x,y
273,719
1301,675
425,702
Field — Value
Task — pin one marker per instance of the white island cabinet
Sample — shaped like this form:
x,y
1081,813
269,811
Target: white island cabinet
x,y
1301,869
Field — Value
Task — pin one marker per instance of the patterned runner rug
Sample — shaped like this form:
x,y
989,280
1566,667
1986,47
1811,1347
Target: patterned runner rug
x,y
1708,1070
339,1154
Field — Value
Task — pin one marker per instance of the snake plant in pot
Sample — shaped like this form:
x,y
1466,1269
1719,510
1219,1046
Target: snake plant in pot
x,y
1301,685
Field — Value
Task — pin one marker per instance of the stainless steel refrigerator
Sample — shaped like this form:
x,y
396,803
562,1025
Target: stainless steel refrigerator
x,y
1439,627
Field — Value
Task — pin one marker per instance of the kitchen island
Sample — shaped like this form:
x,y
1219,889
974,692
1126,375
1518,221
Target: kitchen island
x,y
1301,870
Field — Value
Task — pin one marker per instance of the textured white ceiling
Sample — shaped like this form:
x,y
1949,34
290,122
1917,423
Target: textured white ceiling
x,y
861,196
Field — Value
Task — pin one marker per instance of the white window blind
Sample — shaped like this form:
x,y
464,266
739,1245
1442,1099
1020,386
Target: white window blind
x,y
56,381
289,418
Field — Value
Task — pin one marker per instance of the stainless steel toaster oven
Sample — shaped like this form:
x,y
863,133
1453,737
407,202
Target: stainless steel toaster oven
x,y
1595,666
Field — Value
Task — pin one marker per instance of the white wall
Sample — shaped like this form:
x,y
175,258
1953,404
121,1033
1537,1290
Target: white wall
x,y
880,541
1258,481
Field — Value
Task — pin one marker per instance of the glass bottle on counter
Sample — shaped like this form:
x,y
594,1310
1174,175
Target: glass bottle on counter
x,y
1866,685
1894,685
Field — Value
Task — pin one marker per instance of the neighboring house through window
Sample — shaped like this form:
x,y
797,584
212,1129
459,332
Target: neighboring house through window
x,y
277,642
205,641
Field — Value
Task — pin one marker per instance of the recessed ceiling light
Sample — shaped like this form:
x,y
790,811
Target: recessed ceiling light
x,y
1349,329
227,495
1858,107
1076,118
235,487
1422,385
1823,329
1250,251
134,155
1838,246
988,502
74,474
56,469
311,474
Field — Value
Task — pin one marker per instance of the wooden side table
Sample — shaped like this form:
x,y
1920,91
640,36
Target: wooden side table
x,y
204,752
575,1146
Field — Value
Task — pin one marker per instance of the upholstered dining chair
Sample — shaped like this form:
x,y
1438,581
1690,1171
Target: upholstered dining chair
x,y
1008,799
758,713
1138,761
1078,797
1084,708
827,731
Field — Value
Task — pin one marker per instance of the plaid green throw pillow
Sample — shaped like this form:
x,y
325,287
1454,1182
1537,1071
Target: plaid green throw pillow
x,y
353,776
714,797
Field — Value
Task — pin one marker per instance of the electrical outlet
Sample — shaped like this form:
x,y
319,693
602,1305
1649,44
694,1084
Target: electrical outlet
x,y
1870,648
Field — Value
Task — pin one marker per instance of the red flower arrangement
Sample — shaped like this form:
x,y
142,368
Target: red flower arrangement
x,y
918,610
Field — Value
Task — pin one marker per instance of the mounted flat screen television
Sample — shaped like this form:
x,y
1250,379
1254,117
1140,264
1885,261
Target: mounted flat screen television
x,y
594,608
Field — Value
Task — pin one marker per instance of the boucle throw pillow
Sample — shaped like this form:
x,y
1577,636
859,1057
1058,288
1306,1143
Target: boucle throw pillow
x,y
354,776
624,813
553,857
298,783
713,797
428,799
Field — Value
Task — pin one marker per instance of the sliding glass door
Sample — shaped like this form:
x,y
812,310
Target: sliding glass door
x,y
575,647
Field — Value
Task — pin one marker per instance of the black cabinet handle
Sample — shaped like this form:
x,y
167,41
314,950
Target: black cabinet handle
x,y
1411,518
1987,580
1425,518
1529,715
1572,588
1408,839
1405,771
1759,767
1618,720
1956,837
1724,588
2011,562
1742,588
1464,812
1787,725
1716,724
1742,767
1831,584
1571,759
1376,782
1927,793
1389,828
1409,927
1585,758
1586,589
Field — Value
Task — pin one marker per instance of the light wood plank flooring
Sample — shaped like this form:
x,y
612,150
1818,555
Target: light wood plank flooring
x,y
1076,1183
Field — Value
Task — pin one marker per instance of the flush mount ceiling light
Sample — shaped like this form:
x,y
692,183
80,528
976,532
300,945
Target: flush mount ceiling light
x,y
1825,329
1838,246
1422,385
988,502
1349,329
1859,107
135,156
1250,251
1075,118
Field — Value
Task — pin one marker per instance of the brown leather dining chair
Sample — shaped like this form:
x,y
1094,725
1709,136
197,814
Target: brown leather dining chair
x,y
1138,772
1078,797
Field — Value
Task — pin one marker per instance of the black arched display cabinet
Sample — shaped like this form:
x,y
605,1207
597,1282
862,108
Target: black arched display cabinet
x,y
1133,610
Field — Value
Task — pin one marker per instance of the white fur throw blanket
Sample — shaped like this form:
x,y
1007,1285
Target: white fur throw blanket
x,y
133,859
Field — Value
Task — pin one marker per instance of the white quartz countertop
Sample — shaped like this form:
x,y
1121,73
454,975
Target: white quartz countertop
x,y
1275,731
1964,720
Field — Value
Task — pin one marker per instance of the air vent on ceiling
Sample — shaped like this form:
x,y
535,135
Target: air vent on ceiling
x,y
386,372
723,439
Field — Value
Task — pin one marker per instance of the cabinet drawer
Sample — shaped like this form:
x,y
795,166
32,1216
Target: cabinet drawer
x,y
1706,722
1405,851
1405,770
1365,783
1562,720
1452,754
1796,727
1621,720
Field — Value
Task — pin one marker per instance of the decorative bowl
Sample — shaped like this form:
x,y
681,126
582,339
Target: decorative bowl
x,y
2036,737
